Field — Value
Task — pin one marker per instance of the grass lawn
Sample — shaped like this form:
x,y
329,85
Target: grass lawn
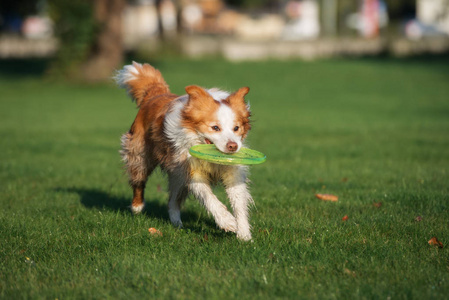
x,y
372,131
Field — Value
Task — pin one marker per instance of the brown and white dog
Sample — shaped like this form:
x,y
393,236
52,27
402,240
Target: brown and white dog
x,y
167,125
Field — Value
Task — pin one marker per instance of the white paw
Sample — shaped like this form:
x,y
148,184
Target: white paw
x,y
227,222
244,236
137,209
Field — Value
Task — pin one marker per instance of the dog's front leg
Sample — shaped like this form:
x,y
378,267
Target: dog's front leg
x,y
201,189
240,198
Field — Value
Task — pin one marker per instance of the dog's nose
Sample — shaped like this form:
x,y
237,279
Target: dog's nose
x,y
232,146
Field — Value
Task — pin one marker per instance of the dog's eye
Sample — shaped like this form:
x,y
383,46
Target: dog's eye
x,y
236,128
216,128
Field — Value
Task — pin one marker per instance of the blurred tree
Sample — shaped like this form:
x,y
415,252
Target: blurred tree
x,y
398,9
256,4
345,8
90,36
106,51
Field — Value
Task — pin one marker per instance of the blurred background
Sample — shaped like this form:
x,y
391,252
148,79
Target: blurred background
x,y
88,39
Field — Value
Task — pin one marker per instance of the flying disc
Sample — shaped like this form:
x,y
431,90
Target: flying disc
x,y
210,153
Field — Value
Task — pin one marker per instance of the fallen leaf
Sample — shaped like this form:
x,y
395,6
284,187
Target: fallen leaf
x,y
345,218
377,204
349,272
327,197
154,231
435,242
418,219
344,179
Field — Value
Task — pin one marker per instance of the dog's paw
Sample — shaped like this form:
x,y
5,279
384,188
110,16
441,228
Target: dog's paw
x,y
227,222
244,236
177,223
137,209
175,218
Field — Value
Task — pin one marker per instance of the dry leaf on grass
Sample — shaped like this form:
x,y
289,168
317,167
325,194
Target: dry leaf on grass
x,y
377,204
327,197
435,242
349,272
345,218
154,231
418,219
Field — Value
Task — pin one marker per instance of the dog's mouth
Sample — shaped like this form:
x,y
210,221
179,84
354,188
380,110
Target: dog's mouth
x,y
207,141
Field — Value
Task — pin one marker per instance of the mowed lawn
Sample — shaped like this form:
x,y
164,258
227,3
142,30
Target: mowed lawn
x,y
374,132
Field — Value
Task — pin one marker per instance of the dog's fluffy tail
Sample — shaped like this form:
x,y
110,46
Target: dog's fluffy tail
x,y
142,82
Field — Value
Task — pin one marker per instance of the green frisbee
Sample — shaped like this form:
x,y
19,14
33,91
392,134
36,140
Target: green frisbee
x,y
210,153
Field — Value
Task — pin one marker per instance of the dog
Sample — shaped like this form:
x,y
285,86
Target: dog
x,y
167,125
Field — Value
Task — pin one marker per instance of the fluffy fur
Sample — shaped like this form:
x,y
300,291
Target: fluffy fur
x,y
167,125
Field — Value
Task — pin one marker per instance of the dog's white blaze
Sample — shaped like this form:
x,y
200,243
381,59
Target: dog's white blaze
x,y
226,118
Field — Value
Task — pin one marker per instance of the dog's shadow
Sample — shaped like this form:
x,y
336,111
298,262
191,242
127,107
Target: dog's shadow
x,y
98,199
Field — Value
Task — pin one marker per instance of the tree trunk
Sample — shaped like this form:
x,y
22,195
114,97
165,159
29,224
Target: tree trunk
x,y
106,54
160,26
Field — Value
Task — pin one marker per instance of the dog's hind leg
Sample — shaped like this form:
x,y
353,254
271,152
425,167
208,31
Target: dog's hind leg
x,y
178,194
137,166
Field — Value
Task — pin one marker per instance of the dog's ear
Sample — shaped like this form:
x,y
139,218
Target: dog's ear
x,y
197,93
238,97
199,99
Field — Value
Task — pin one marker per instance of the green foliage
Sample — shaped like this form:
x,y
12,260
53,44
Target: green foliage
x,y
365,130
75,28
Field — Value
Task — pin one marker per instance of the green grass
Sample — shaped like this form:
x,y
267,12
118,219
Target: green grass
x,y
366,130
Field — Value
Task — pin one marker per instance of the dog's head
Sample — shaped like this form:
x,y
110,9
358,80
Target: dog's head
x,y
224,123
